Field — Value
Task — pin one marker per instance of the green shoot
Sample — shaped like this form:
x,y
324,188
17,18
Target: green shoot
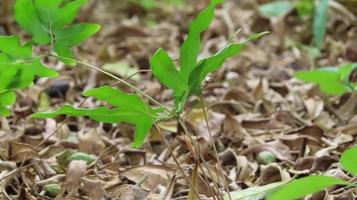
x,y
332,80
187,79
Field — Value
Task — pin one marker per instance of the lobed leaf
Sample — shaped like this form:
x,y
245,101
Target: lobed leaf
x,y
27,17
48,22
304,186
187,80
18,69
129,108
165,71
349,160
214,62
191,47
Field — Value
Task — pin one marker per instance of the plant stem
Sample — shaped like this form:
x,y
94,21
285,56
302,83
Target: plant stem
x,y
118,79
176,161
214,145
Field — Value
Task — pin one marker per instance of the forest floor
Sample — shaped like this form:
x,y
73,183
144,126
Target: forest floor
x,y
253,103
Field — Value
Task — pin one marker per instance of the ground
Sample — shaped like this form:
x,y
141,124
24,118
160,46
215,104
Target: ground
x,y
254,104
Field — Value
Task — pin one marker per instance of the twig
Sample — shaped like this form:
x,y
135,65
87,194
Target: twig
x,y
214,145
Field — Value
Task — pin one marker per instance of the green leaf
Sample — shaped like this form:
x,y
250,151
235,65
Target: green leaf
x,y
254,193
4,112
11,46
7,74
48,21
191,47
27,17
275,9
214,62
164,69
304,186
349,160
128,108
328,78
72,36
51,13
17,65
76,34
320,20
64,52
82,156
305,7
7,98
52,190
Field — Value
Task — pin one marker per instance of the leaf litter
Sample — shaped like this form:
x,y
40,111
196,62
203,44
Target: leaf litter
x,y
254,104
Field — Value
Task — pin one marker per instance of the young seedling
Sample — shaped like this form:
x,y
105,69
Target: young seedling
x,y
332,80
186,81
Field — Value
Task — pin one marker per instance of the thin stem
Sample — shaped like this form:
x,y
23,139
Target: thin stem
x,y
213,144
176,161
118,79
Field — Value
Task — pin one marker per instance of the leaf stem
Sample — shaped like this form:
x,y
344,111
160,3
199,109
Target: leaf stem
x,y
118,79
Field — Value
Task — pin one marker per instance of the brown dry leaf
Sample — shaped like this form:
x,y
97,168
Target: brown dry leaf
x,y
348,110
21,151
149,176
314,107
76,170
245,170
277,148
93,188
91,142
197,119
25,195
272,173
130,192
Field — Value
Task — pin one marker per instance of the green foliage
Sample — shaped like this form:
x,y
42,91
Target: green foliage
x,y
48,22
304,186
305,8
82,156
18,69
253,193
320,20
349,160
276,8
128,108
150,4
52,190
187,79
332,80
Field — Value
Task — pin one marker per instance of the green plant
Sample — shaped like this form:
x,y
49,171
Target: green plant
x,y
332,80
308,185
49,23
150,4
305,8
299,188
130,108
